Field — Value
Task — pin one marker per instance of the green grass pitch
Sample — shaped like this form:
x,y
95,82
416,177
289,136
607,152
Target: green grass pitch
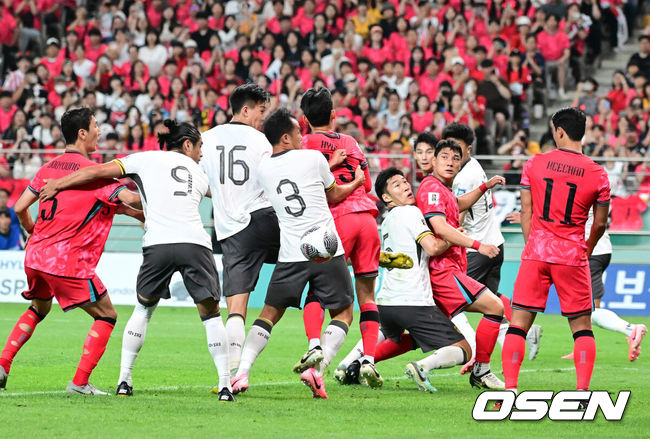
x,y
174,374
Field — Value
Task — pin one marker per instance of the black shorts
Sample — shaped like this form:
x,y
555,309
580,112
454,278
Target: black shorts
x,y
485,270
329,281
427,325
245,252
195,263
597,266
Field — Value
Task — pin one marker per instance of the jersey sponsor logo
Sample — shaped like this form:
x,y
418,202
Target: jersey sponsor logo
x,y
460,191
533,405
434,197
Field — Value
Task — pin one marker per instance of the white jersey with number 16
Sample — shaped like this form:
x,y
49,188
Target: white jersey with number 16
x,y
231,157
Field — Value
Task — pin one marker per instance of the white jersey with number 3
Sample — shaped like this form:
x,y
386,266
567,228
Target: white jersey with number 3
x,y
480,221
295,182
402,230
171,186
231,157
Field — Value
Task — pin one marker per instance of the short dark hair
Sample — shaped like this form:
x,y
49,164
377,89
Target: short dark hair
x,y
448,143
5,190
5,212
178,133
572,121
278,124
381,183
317,106
5,94
249,94
459,131
74,120
427,138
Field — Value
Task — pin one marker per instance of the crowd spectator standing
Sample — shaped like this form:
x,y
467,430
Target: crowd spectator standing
x,y
396,68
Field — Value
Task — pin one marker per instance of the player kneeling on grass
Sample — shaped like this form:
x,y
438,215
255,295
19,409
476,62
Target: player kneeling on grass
x,y
453,290
65,246
405,299
299,184
172,186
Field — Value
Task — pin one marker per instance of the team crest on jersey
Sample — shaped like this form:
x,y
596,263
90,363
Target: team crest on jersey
x,y
434,197
460,191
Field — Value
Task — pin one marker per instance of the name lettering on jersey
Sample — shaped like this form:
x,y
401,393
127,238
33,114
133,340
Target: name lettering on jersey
x,y
434,197
326,145
566,168
63,166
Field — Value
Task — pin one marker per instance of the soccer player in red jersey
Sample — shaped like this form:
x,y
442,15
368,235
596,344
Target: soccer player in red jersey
x,y
355,222
65,245
558,189
453,290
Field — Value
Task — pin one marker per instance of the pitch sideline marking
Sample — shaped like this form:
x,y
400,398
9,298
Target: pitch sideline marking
x,y
273,384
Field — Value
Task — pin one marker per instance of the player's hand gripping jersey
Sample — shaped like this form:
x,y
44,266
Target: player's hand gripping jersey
x,y
71,228
564,186
327,143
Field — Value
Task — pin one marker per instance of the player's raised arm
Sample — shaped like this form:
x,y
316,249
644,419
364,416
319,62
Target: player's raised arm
x,y
107,170
336,193
454,237
27,198
466,201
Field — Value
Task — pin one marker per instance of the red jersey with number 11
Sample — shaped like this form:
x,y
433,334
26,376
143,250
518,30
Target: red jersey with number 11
x,y
327,143
564,186
72,228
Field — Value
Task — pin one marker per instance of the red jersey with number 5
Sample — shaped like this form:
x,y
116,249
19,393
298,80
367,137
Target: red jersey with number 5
x,y
564,186
435,198
327,143
72,228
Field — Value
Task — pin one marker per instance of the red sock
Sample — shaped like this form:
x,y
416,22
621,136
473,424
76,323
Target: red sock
x,y
584,356
369,324
313,316
512,355
507,306
94,348
21,333
487,333
389,349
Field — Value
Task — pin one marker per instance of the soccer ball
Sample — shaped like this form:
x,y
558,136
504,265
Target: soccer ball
x,y
319,244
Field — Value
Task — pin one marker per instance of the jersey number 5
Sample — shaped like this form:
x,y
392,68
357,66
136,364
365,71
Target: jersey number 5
x,y
231,165
569,203
52,211
292,197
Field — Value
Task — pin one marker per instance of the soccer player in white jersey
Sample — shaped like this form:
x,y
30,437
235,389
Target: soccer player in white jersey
x,y
405,299
299,185
171,186
244,221
480,223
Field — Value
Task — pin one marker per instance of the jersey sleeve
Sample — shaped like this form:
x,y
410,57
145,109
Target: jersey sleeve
x,y
603,189
415,223
432,202
356,152
525,179
130,164
108,193
36,184
324,172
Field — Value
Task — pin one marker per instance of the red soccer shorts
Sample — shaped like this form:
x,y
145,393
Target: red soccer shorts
x,y
69,292
573,285
453,291
360,238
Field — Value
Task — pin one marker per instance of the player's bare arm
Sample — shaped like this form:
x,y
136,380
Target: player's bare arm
x,y
339,192
526,212
22,210
337,158
131,205
466,201
84,175
601,211
454,237
434,246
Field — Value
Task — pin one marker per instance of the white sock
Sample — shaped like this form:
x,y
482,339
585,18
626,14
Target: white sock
x,y
466,329
218,346
133,339
258,337
502,333
313,342
607,319
481,368
236,330
443,358
355,354
333,339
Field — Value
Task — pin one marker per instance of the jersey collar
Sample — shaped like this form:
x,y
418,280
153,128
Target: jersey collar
x,y
570,150
74,151
277,154
237,123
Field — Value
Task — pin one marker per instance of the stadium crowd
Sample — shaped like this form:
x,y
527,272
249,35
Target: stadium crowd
x,y
395,68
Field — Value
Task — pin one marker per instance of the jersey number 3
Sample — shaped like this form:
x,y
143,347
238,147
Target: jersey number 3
x,y
292,197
